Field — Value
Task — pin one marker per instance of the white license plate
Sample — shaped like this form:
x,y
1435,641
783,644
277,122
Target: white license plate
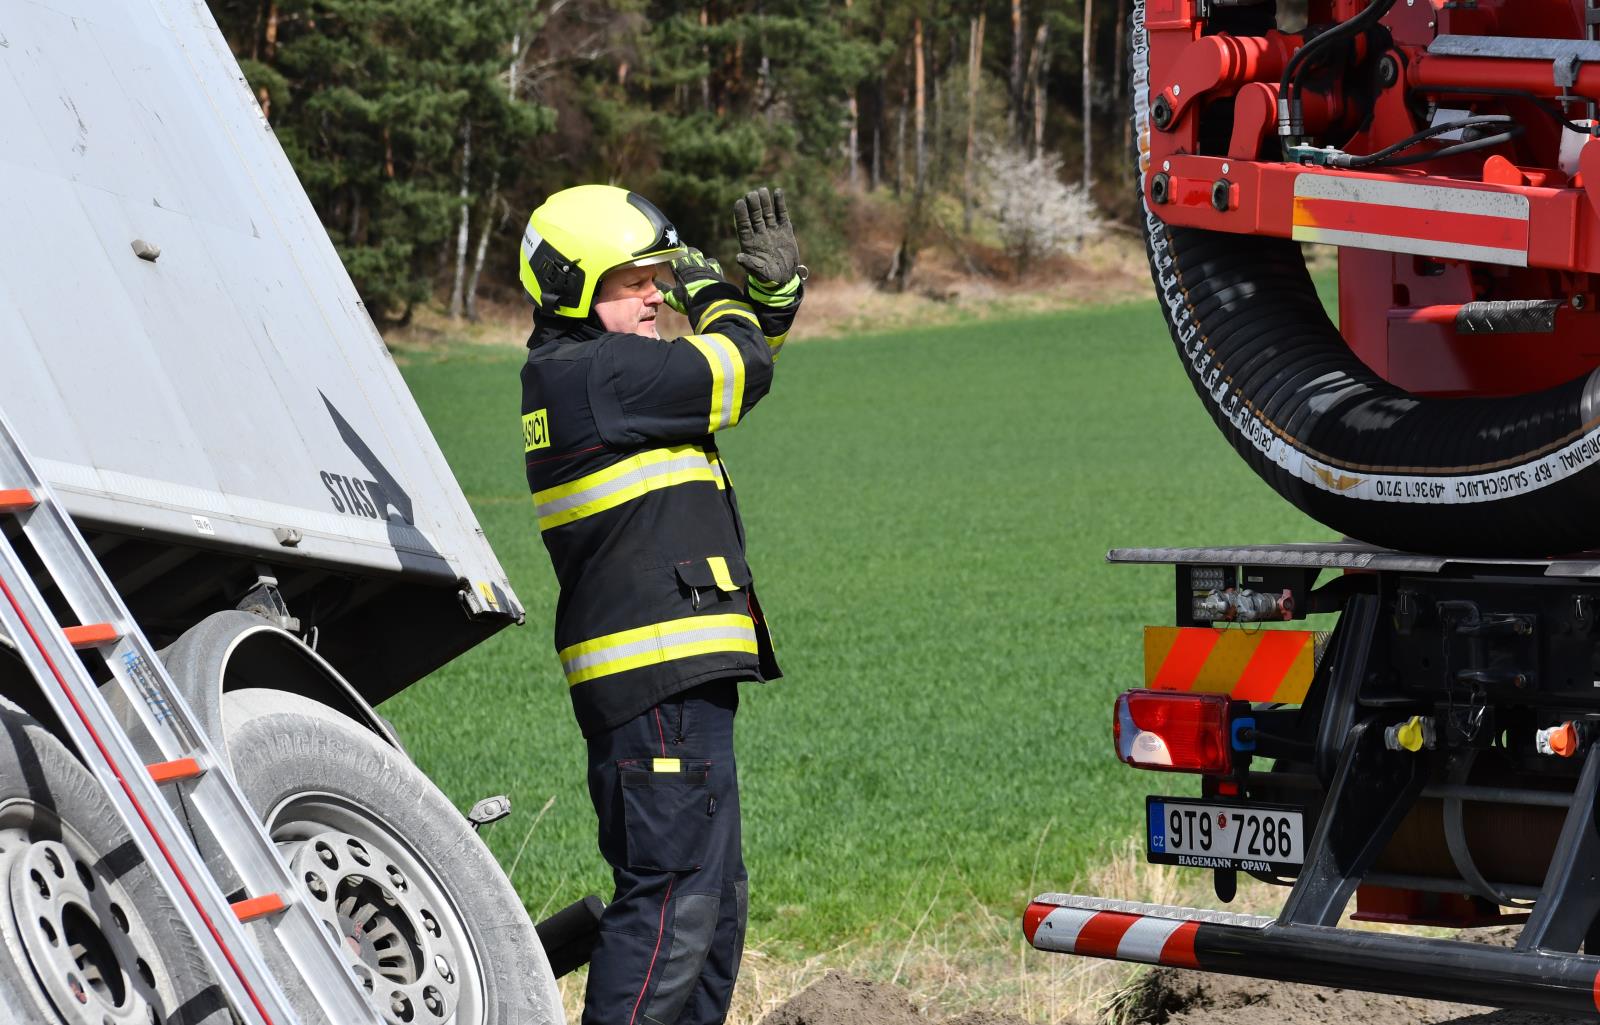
x,y
1259,838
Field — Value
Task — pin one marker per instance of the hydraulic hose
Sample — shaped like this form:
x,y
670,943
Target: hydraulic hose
x,y
1511,476
1290,119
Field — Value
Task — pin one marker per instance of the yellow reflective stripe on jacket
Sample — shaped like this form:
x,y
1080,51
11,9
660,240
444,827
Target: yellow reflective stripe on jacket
x,y
775,342
727,378
633,477
719,573
720,470
725,308
658,643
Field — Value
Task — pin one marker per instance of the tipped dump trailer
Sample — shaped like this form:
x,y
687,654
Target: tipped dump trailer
x,y
196,379
1434,759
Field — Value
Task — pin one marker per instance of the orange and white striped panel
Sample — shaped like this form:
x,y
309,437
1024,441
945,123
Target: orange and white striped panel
x,y
1113,934
1248,665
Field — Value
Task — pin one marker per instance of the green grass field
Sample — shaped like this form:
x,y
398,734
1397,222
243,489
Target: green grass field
x,y
928,515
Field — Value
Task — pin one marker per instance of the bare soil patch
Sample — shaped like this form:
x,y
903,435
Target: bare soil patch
x,y
1169,996
1165,996
841,999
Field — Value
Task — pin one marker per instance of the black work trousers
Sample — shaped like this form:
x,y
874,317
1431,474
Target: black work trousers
x,y
666,792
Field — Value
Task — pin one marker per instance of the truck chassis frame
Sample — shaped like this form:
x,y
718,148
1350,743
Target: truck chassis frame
x,y
1518,637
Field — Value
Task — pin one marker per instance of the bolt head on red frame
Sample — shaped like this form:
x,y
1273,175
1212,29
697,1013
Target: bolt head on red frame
x,y
1174,732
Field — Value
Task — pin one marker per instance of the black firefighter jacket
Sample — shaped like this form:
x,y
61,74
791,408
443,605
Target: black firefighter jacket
x,y
634,505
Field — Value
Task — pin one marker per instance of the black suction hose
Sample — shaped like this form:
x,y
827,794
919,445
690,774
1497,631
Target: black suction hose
x,y
1514,476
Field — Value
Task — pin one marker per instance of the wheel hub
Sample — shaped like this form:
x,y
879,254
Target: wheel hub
x,y
387,923
76,924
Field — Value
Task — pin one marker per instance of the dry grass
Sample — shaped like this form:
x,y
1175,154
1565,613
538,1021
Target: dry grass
x,y
1110,269
976,960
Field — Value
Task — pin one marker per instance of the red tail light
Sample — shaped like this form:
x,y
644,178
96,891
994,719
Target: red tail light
x,y
1174,732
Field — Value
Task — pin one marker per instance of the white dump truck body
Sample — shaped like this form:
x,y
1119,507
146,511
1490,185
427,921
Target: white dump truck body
x,y
225,407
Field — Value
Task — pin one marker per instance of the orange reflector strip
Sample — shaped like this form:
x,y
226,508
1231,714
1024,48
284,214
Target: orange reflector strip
x,y
17,500
182,768
91,635
252,908
1249,665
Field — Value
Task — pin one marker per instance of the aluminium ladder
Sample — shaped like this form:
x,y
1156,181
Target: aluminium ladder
x,y
49,649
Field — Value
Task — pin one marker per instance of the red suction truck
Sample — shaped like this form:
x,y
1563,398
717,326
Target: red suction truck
x,y
1432,760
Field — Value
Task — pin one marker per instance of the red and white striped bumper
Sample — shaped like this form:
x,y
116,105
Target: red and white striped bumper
x,y
1111,934
1232,944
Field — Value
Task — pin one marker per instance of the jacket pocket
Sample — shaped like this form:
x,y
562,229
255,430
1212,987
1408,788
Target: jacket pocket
x,y
667,811
712,579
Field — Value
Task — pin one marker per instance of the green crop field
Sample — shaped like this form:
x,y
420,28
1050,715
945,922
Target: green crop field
x,y
928,517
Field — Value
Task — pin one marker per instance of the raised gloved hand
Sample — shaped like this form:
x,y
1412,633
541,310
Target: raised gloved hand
x,y
694,271
767,248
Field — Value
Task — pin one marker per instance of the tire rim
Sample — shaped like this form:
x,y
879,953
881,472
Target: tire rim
x,y
391,916
78,928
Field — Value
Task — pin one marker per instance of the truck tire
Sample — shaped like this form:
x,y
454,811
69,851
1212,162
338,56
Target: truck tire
x,y
430,922
1509,476
87,934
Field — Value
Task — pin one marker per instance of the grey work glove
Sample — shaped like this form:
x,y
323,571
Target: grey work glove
x,y
694,271
767,248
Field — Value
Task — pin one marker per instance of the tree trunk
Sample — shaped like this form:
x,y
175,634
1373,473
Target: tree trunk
x,y
358,219
974,62
877,158
705,53
1119,59
458,283
1120,105
852,151
270,49
905,256
900,136
853,144
1030,91
1088,92
1122,64
494,202
1041,95
1014,118
491,208
922,108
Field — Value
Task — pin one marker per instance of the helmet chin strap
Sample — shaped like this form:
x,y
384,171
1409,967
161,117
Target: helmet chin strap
x,y
549,322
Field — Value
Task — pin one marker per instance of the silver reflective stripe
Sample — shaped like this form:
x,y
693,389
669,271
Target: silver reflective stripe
x,y
634,479
530,242
578,663
730,409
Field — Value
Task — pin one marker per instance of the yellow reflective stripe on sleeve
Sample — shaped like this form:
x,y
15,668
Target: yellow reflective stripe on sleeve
x,y
725,308
624,481
719,573
658,643
727,378
775,342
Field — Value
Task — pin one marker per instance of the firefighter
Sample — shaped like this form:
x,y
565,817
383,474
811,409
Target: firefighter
x,y
657,621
